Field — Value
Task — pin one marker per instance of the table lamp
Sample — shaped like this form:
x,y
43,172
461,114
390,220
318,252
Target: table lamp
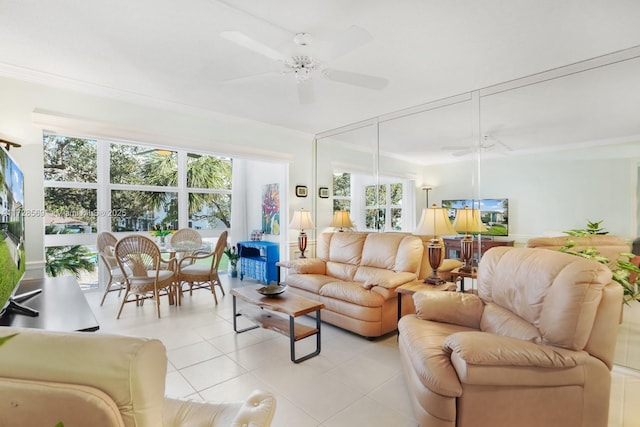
x,y
434,222
467,220
341,220
301,220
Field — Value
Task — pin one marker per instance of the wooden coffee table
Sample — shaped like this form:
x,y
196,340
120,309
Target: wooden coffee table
x,y
265,311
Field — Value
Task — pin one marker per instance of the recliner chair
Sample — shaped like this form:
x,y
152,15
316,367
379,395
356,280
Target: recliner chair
x,y
533,348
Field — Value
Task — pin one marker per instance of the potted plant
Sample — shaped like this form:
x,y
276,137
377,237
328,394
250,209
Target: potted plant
x,y
161,232
625,272
232,254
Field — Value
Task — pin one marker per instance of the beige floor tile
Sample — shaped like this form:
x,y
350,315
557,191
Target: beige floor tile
x,y
191,354
211,372
353,382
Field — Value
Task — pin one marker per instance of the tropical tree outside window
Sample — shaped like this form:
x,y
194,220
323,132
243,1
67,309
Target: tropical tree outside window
x,y
70,199
209,186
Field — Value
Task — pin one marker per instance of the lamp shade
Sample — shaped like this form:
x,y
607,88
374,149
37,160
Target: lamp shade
x,y
434,222
341,219
301,220
468,220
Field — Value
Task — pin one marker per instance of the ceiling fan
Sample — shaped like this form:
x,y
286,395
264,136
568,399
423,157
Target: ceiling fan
x,y
487,143
303,65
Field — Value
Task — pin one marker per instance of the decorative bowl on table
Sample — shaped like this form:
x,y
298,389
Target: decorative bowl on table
x,y
272,290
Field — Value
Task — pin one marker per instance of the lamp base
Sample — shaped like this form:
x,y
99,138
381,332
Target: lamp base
x,y
466,251
302,243
434,250
437,280
467,268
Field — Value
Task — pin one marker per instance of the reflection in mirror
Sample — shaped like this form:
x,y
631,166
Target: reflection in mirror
x,y
344,162
562,146
572,154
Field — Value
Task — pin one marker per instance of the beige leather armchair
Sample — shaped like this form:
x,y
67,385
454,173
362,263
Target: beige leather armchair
x,y
98,380
533,348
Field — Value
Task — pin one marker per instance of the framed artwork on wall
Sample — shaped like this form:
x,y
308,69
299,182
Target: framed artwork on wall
x,y
271,209
323,192
301,191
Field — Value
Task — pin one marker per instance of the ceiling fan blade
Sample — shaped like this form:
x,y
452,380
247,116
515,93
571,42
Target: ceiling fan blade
x,y
346,41
306,93
463,152
456,147
250,77
247,42
356,79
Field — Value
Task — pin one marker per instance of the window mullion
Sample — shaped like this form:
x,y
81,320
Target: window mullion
x,y
183,193
104,191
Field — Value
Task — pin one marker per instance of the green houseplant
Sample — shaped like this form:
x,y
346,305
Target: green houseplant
x,y
233,256
626,273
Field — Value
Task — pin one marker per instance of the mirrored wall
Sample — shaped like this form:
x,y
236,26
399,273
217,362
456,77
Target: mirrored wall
x,y
561,147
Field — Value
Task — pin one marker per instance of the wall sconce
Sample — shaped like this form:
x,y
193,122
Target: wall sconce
x,y
301,220
341,220
467,220
434,222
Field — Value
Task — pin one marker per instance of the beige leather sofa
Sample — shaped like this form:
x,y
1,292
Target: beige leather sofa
x,y
533,348
355,275
98,380
608,246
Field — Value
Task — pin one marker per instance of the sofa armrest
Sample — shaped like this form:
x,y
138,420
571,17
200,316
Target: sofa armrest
x,y
483,348
449,307
257,410
304,266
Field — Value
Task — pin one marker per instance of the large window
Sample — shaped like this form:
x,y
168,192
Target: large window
x,y
93,185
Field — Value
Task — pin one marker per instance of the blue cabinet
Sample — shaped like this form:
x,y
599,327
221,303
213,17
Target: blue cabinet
x,y
258,260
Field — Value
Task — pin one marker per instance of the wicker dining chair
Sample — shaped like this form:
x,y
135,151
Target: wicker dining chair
x,y
142,264
106,243
186,235
199,276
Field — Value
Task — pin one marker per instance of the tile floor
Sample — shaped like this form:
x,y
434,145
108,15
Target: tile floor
x,y
353,382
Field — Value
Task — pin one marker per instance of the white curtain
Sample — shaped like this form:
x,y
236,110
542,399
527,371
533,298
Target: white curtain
x,y
238,230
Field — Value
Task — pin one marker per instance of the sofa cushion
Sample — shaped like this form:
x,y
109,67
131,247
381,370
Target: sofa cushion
x,y
346,247
380,250
339,270
352,292
309,282
370,277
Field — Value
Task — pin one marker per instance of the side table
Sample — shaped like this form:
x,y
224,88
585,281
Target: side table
x,y
456,275
419,285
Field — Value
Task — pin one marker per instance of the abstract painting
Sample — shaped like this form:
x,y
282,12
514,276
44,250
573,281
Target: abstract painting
x,y
271,209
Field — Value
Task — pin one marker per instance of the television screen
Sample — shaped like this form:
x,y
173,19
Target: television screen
x,y
12,259
494,213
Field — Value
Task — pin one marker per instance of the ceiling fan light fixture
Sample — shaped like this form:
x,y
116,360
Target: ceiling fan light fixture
x,y
302,66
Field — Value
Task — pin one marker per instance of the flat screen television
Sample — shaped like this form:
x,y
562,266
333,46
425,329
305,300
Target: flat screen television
x,y
494,213
12,256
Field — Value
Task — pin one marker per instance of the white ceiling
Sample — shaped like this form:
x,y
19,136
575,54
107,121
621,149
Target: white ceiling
x,y
167,51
